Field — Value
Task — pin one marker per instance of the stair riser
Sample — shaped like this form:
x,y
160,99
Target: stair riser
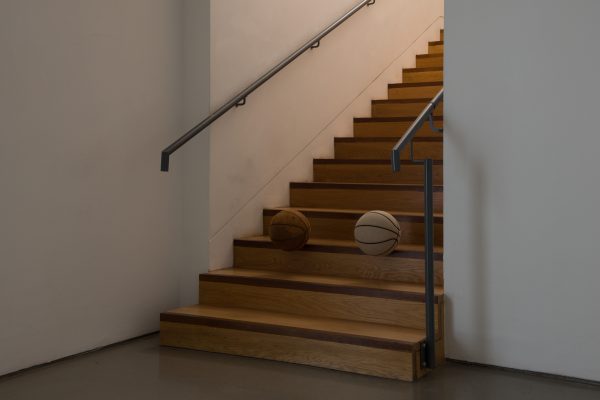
x,y
315,304
428,62
399,269
383,110
357,199
425,76
419,92
384,363
436,49
379,173
382,150
441,34
325,227
392,129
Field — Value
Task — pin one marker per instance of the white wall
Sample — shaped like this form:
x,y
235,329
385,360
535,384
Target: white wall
x,y
522,184
258,149
89,227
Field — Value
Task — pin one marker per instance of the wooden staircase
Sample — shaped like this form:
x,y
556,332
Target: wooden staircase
x,y
329,305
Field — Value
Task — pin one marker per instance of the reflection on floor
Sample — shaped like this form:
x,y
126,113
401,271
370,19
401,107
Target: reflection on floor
x,y
142,370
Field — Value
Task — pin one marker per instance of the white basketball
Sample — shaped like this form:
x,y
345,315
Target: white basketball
x,y
377,233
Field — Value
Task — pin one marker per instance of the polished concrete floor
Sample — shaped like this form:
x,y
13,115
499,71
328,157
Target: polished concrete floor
x,y
140,369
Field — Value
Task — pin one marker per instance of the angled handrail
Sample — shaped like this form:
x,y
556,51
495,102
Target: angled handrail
x,y
240,99
428,349
406,139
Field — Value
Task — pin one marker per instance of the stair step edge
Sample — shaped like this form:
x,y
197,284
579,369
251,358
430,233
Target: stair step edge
x,y
297,326
320,283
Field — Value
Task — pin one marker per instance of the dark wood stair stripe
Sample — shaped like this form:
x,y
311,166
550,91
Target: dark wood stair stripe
x,y
352,139
289,331
336,161
414,84
317,287
401,101
437,55
394,119
322,248
350,215
363,186
423,69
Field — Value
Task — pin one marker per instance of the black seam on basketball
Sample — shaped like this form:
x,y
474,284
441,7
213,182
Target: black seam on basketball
x,y
379,227
394,222
389,250
299,228
301,217
383,241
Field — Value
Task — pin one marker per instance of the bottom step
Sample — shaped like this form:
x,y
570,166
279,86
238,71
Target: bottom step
x,y
365,348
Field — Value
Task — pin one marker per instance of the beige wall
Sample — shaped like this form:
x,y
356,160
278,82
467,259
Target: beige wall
x,y
258,149
90,92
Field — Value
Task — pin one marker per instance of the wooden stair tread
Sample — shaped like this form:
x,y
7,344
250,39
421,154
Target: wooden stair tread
x,y
318,328
402,101
363,186
370,161
337,246
344,212
415,84
394,119
435,55
323,283
391,139
423,69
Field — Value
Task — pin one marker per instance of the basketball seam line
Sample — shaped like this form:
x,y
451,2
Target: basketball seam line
x,y
394,222
389,250
377,226
383,241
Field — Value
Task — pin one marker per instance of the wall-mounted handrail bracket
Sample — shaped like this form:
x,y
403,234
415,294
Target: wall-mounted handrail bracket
x,y
428,347
240,99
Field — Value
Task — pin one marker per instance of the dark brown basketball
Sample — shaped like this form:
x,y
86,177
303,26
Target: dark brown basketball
x,y
289,230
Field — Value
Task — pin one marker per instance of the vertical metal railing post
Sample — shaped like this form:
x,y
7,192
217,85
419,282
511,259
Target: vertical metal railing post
x,y
429,266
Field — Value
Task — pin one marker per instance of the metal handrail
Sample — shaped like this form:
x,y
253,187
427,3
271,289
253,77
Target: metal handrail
x,y
240,99
426,114
428,349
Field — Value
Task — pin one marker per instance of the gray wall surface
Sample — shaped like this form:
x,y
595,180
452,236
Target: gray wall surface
x,y
90,229
195,156
522,184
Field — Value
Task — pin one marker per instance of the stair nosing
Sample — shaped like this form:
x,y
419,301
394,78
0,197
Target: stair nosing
x,y
423,69
370,161
434,55
331,248
318,287
292,331
436,43
402,101
352,139
362,186
393,119
353,214
414,84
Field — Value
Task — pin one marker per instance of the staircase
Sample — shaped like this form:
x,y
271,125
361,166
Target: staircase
x,y
329,305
